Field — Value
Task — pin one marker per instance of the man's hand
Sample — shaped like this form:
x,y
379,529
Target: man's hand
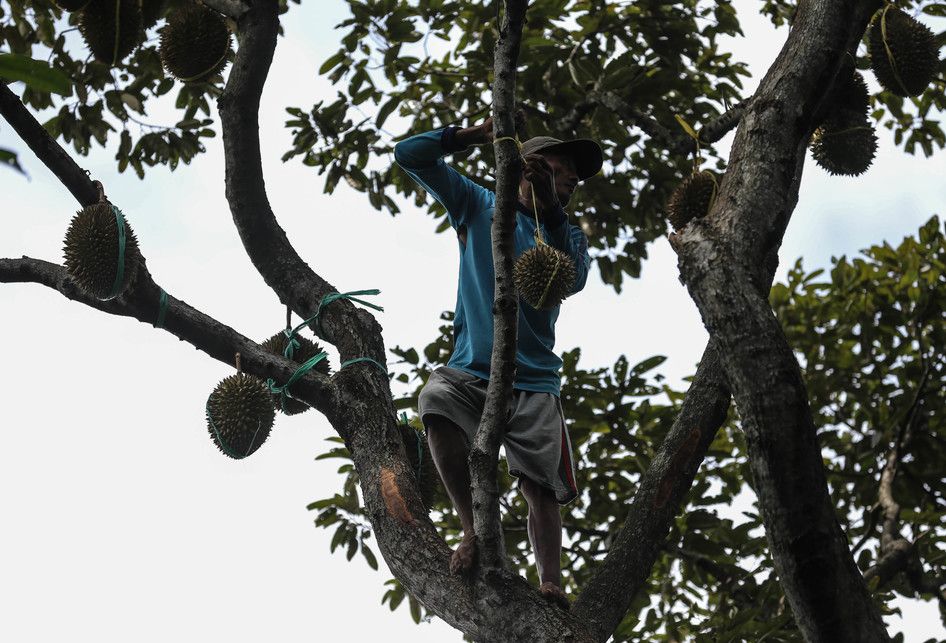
x,y
481,134
537,171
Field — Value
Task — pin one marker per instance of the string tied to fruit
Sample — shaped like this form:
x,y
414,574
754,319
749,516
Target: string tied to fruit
x,y
120,270
890,57
306,366
335,296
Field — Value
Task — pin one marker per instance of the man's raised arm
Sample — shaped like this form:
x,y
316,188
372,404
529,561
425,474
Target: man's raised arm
x,y
421,156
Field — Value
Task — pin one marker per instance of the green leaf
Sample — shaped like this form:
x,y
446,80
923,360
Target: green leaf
x,y
10,160
36,73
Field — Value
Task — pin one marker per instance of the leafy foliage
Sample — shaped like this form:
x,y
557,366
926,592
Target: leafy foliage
x,y
865,335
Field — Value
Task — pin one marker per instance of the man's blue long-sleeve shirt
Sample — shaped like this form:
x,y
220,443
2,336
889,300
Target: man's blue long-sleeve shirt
x,y
471,206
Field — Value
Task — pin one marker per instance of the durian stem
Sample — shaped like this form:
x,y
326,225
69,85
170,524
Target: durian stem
x,y
239,366
288,318
101,189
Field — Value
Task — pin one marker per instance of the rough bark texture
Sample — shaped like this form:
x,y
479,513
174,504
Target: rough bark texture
x,y
485,452
826,591
46,149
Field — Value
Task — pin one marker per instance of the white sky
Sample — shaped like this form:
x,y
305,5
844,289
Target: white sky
x,y
123,521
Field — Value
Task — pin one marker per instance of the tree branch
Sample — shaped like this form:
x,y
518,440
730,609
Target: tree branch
x,y
231,8
821,582
353,331
674,143
484,454
46,148
184,322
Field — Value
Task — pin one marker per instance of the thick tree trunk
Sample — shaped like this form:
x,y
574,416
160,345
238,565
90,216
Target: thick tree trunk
x,y
823,585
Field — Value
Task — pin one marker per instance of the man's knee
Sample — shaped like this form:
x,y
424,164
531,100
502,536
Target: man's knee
x,y
444,433
534,492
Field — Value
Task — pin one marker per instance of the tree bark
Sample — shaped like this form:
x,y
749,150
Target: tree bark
x,y
826,591
484,455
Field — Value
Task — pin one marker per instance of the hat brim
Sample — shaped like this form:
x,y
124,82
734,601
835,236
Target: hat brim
x,y
586,153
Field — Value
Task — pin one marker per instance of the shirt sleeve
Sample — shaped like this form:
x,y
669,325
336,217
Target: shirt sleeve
x,y
421,156
573,242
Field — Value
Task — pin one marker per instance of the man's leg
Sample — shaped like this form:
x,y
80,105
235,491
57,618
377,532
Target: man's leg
x,y
545,534
449,452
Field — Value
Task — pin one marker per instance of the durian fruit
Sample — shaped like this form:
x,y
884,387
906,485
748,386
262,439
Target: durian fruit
x,y
544,276
240,415
692,199
111,28
418,455
91,250
850,92
903,52
306,350
844,144
71,5
194,43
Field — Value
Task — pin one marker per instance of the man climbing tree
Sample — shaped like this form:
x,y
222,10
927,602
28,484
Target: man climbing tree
x,y
536,441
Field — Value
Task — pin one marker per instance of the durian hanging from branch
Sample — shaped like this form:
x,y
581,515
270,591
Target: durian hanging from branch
x,y
903,52
695,196
544,276
239,414
299,350
100,251
845,142
195,43
111,28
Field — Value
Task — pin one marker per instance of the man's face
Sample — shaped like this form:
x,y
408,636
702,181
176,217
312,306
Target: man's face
x,y
566,175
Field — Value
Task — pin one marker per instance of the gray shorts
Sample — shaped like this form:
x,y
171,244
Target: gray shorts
x,y
536,440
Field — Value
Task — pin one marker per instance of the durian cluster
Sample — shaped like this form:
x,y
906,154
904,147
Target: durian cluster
x,y
845,143
904,57
195,41
91,251
544,276
692,199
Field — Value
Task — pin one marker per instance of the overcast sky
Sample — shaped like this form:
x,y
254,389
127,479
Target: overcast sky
x,y
123,522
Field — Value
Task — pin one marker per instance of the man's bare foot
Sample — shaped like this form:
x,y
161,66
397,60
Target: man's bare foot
x,y
554,594
464,555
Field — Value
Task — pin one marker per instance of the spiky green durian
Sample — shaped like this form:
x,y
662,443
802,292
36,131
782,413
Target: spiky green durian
x,y
844,144
544,276
903,52
692,199
306,350
418,455
71,5
91,251
240,415
194,43
850,93
111,28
